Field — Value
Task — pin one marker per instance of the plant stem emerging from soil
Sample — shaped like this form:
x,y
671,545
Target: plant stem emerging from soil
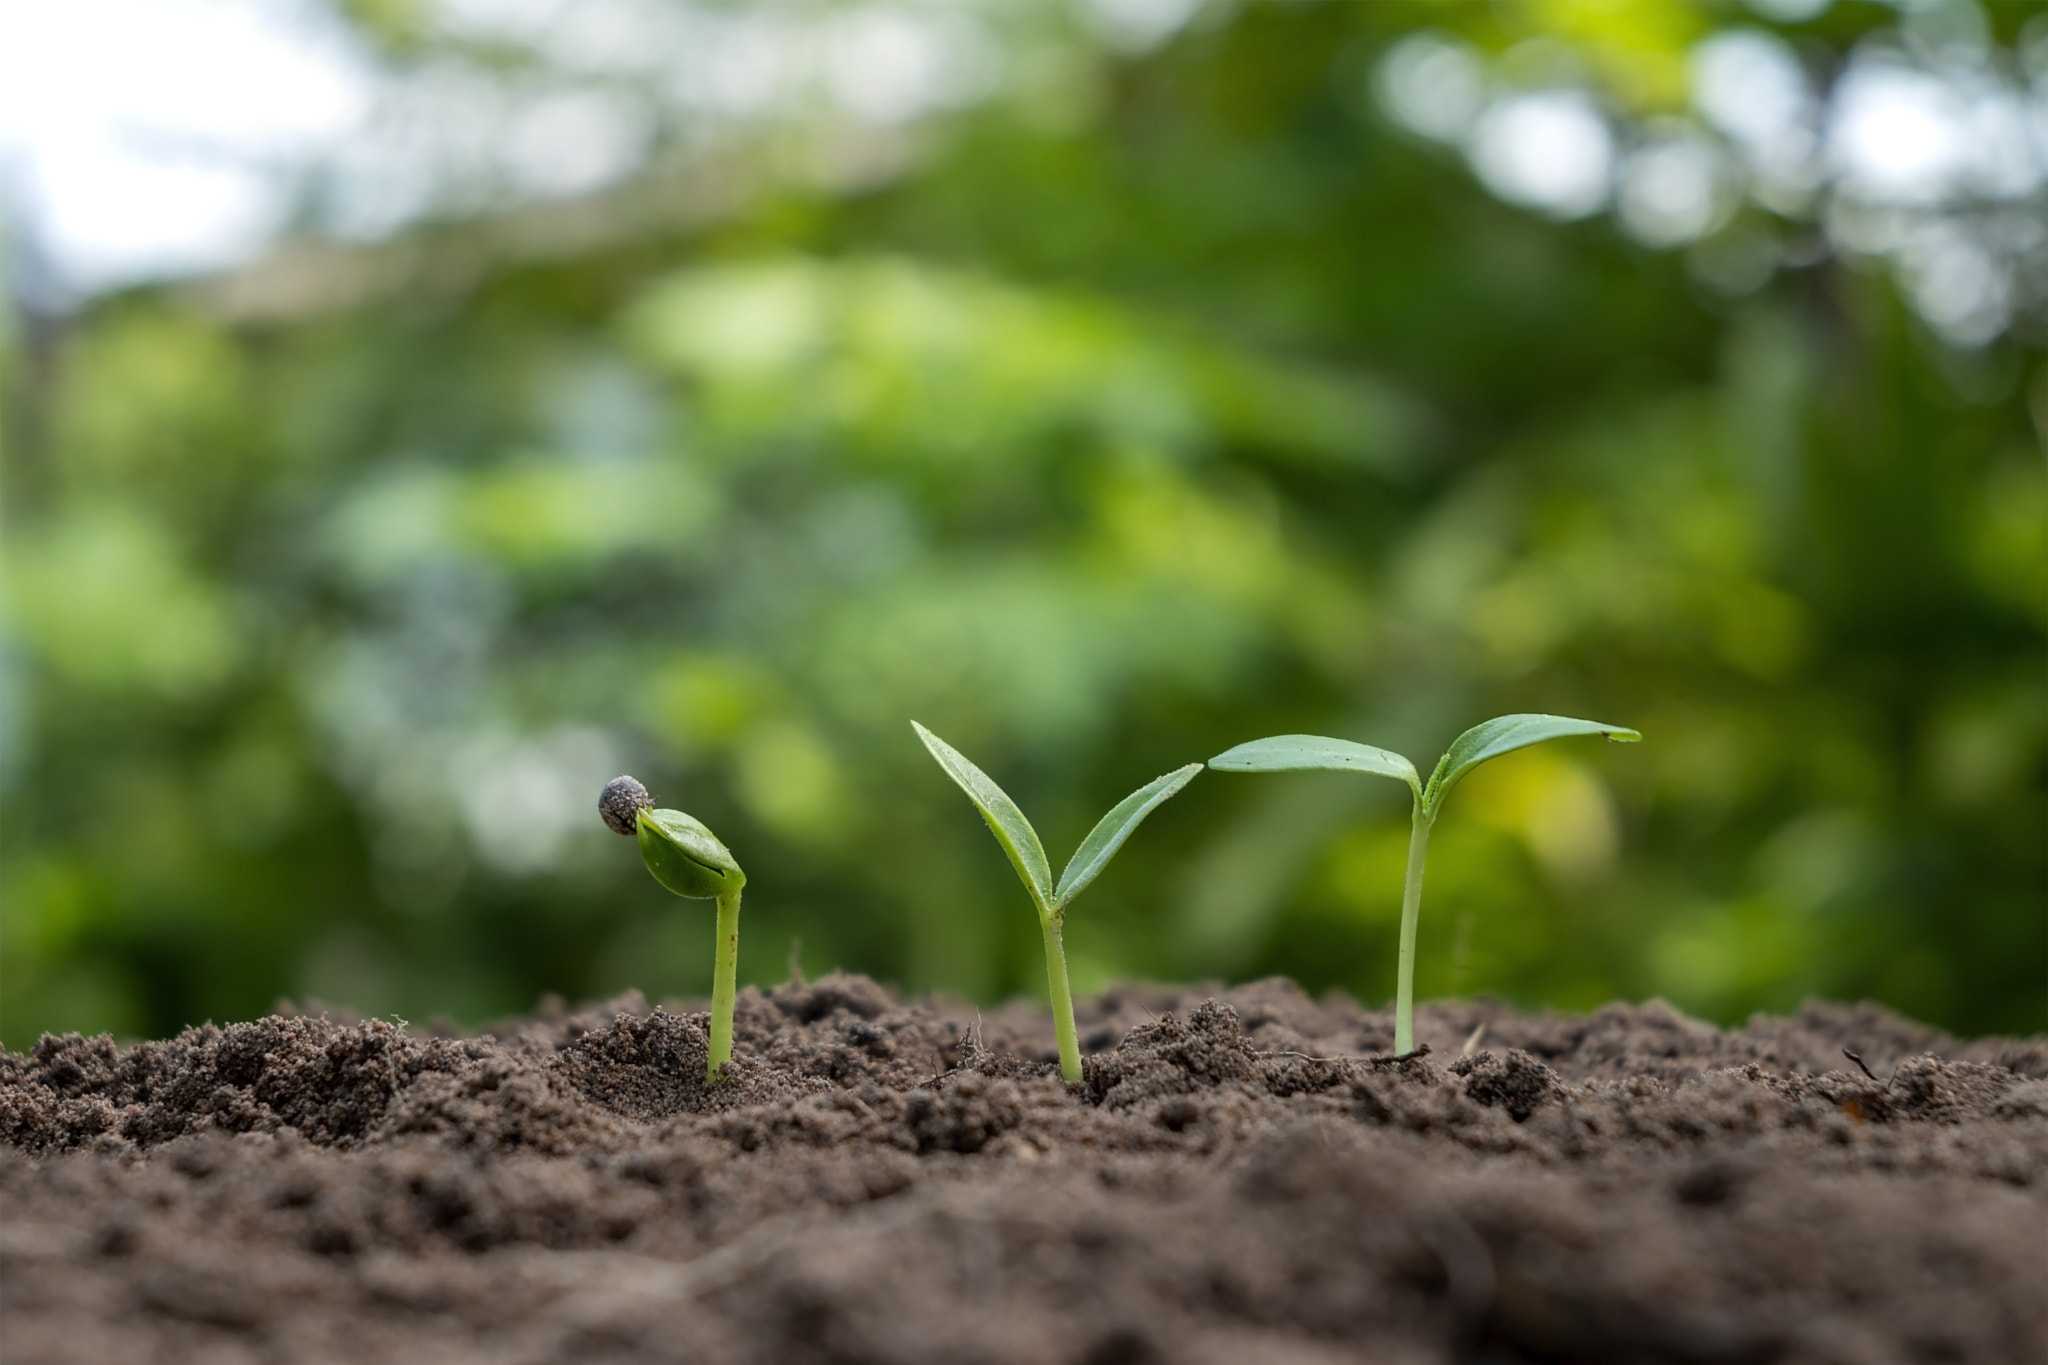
x,y
1486,740
1062,998
724,985
1411,911
687,858
1020,842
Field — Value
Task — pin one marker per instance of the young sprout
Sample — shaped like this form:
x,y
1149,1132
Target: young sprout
x,y
1027,855
1489,739
687,858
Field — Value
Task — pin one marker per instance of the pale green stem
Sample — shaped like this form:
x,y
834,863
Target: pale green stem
x,y
1411,906
1062,1000
724,985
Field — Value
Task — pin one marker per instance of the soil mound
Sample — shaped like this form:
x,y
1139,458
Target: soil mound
x,y
1243,1174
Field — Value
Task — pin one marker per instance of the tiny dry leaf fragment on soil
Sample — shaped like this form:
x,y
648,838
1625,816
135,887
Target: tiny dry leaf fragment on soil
x,y
1247,1177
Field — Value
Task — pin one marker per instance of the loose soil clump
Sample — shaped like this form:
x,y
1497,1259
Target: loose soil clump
x,y
1244,1175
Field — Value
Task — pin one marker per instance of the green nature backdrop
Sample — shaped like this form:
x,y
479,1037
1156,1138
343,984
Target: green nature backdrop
x,y
1167,393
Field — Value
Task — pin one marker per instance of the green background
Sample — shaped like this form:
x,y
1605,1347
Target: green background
x,y
1161,402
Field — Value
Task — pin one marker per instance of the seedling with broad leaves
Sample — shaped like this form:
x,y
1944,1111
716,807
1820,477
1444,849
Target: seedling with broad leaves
x,y
1489,739
1020,841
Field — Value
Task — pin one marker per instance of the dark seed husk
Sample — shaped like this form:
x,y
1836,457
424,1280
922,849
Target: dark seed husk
x,y
621,803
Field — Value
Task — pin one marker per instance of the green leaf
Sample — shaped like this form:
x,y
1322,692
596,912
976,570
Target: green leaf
x,y
1292,753
1005,821
685,857
1112,829
1503,735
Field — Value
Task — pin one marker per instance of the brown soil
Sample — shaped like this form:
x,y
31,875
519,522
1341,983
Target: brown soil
x,y
1242,1179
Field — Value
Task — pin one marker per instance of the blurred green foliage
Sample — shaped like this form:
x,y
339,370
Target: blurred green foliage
x,y
1170,403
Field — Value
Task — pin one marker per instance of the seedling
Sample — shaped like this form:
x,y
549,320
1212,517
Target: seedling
x,y
1027,855
1488,739
687,858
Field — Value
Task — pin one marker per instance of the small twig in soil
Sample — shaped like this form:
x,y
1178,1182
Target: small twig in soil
x,y
391,1065
796,960
970,1045
1473,1041
1863,1065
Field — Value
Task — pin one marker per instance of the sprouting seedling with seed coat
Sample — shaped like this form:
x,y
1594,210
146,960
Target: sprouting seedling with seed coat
x,y
1027,855
687,858
1488,739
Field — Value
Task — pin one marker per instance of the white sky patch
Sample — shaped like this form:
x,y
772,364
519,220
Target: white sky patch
x,y
736,65
507,20
1957,285
2009,133
625,35
150,137
576,141
145,139
1673,190
418,152
1550,151
889,66
1138,25
1752,87
1929,151
1432,84
1896,134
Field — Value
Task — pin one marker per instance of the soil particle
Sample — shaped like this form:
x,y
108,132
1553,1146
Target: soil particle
x,y
1240,1175
1516,1082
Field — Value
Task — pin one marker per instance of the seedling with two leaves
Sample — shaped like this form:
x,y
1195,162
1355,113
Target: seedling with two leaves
x,y
1488,739
1020,841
